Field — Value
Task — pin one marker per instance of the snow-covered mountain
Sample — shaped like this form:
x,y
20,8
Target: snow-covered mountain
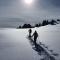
x,y
14,44
15,22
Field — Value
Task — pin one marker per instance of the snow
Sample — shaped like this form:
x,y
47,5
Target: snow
x,y
14,44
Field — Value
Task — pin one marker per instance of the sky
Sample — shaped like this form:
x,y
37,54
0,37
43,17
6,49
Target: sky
x,y
14,10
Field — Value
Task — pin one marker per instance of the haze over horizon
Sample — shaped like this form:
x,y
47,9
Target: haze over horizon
x,y
36,11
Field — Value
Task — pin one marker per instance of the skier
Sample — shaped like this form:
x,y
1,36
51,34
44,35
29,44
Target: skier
x,y
30,31
35,34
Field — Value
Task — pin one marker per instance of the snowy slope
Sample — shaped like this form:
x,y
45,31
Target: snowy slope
x,y
14,44
50,36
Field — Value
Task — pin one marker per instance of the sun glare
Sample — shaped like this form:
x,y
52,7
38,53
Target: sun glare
x,y
28,1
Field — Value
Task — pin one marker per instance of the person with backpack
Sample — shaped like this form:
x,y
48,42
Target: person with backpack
x,y
30,31
35,35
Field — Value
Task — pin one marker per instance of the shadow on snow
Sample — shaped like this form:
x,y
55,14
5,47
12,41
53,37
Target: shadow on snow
x,y
42,50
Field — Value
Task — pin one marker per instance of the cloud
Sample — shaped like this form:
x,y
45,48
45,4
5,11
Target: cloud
x,y
37,11
55,3
10,22
4,3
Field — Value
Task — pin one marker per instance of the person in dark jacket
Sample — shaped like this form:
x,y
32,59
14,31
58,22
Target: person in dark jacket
x,y
30,31
35,34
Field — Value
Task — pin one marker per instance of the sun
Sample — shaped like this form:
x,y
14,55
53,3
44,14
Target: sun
x,y
28,1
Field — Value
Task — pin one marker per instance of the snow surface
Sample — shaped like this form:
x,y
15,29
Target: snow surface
x,y
14,44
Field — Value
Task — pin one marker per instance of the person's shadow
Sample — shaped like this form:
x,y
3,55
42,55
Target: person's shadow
x,y
41,50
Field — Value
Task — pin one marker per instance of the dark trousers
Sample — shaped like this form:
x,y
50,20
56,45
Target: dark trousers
x,y
35,38
29,34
